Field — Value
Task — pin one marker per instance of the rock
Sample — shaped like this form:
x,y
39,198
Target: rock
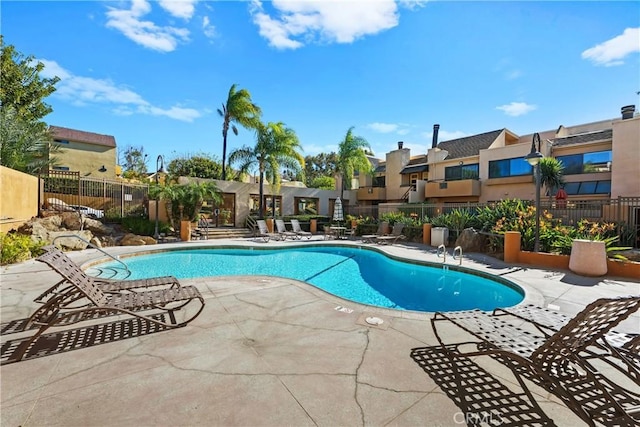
x,y
71,220
96,242
134,240
96,227
472,241
70,242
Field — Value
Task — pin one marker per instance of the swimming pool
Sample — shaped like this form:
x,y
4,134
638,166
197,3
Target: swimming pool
x,y
358,274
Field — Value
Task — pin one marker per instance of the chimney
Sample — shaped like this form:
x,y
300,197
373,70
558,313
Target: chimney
x,y
628,111
400,144
434,142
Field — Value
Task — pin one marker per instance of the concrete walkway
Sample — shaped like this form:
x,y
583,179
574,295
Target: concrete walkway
x,y
267,351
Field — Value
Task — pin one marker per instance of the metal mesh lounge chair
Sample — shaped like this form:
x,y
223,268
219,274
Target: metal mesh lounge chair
x,y
283,232
106,285
622,346
263,231
392,238
295,224
370,238
554,362
84,300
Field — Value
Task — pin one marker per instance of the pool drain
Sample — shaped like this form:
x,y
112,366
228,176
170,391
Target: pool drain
x,y
374,321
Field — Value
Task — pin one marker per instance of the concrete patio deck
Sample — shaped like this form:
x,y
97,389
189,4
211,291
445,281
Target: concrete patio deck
x,y
265,351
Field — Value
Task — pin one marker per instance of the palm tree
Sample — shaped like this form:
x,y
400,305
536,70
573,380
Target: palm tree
x,y
184,201
352,157
551,174
238,109
277,147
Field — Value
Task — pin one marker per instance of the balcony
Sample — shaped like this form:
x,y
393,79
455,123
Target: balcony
x,y
461,188
372,193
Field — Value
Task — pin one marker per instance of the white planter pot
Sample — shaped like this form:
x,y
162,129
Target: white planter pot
x,y
588,258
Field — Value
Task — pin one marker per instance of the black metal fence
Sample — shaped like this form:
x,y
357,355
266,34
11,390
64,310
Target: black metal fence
x,y
624,211
95,197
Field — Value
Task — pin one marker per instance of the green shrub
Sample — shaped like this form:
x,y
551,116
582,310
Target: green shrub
x,y
18,248
143,226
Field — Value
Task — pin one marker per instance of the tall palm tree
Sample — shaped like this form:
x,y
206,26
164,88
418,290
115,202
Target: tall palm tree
x,y
551,174
237,109
277,147
352,157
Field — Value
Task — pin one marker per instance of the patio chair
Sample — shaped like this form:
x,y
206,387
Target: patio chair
x,y
106,285
295,224
84,300
623,347
329,233
554,362
283,232
370,238
392,238
263,231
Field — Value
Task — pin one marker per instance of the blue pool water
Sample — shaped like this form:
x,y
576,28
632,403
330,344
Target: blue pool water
x,y
356,274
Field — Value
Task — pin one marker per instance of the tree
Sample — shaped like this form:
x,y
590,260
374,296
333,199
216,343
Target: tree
x,y
323,183
320,165
184,202
199,166
25,142
551,174
237,109
21,86
134,163
352,157
277,147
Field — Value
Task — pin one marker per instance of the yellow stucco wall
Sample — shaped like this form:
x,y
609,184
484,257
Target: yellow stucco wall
x,y
88,159
18,198
625,173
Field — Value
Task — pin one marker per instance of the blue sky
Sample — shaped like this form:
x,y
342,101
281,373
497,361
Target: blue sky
x,y
153,73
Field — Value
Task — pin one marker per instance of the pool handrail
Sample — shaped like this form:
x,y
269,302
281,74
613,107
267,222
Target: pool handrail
x,y
94,247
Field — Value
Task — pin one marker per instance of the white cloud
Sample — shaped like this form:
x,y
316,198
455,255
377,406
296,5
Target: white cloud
x,y
145,33
81,91
382,127
208,29
516,109
298,22
179,8
612,51
513,74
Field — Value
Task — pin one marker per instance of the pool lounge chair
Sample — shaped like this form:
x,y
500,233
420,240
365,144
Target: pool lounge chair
x,y
295,224
283,232
392,238
84,300
553,362
263,231
370,238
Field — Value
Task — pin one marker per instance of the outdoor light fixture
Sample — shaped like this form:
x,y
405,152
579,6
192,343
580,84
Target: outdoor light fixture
x,y
102,169
159,168
534,158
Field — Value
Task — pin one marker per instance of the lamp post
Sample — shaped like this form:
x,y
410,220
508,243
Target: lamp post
x,y
534,160
159,168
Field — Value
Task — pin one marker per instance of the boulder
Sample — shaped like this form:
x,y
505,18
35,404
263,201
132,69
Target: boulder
x,y
96,242
135,240
71,220
70,242
96,227
472,241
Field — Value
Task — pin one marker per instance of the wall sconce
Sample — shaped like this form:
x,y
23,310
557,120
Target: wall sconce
x,y
461,163
102,169
370,190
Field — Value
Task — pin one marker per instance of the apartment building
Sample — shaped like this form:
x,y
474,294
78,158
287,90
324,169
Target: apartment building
x,y
600,162
89,153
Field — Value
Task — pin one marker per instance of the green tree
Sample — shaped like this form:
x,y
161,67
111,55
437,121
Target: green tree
x,y
551,174
22,87
184,201
25,145
320,165
352,157
237,109
133,163
198,166
323,183
277,147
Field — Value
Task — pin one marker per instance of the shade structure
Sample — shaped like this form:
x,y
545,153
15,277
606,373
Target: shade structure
x,y
338,215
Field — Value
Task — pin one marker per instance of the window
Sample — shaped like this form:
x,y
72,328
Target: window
x,y
306,206
61,141
378,181
509,167
456,173
61,168
588,187
598,161
254,205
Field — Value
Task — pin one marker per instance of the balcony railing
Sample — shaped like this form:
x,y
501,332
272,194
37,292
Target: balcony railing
x,y
461,188
372,193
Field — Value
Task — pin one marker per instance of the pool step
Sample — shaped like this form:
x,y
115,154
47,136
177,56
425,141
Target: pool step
x,y
220,233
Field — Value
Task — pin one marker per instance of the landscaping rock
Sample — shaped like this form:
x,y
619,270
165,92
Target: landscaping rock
x,y
70,242
472,241
135,240
71,220
97,228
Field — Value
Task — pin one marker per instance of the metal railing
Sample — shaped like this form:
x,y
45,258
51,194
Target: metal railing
x,y
95,247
